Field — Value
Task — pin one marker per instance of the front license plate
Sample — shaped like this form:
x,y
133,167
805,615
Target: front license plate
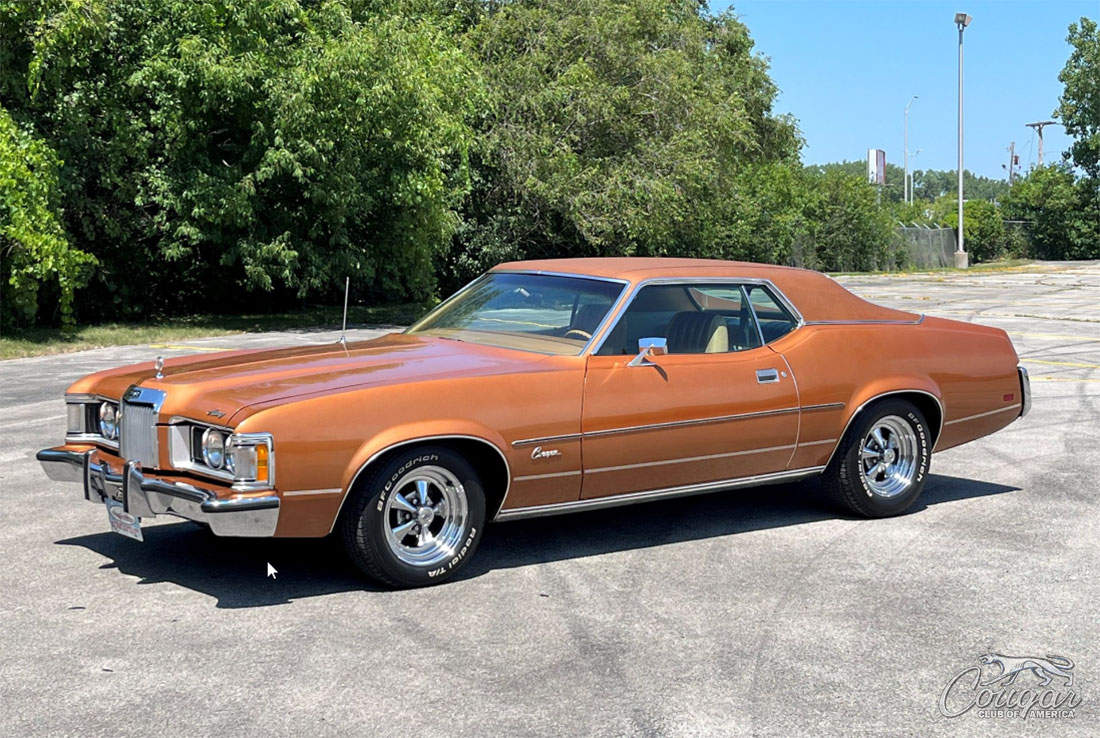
x,y
123,522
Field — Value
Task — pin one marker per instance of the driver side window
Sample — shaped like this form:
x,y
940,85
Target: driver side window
x,y
693,318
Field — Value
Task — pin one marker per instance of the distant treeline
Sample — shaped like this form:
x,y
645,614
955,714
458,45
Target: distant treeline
x,y
168,156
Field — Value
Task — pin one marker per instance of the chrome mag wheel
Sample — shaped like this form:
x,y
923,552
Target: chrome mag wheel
x,y
426,516
888,456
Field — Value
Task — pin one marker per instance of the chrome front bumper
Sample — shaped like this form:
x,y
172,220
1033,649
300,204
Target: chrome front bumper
x,y
1025,391
253,516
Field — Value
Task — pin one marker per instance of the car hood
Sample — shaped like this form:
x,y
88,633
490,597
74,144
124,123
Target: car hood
x,y
218,387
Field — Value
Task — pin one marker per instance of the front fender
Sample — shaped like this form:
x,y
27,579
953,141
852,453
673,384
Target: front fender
x,y
401,435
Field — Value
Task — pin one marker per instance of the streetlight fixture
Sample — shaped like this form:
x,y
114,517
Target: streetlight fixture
x,y
905,195
962,260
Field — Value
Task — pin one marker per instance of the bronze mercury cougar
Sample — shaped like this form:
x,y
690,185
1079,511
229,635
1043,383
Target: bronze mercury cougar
x,y
543,387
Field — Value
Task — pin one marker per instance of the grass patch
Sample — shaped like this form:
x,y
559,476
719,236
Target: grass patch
x,y
44,341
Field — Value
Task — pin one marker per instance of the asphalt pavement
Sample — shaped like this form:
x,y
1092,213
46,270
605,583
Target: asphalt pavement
x,y
753,612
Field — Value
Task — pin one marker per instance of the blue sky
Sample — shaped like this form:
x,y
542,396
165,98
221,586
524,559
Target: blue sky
x,y
847,68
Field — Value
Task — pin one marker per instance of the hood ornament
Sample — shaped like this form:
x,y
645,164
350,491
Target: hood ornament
x,y
159,365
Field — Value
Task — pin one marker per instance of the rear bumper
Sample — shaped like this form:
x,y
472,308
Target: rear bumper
x,y
254,515
1025,391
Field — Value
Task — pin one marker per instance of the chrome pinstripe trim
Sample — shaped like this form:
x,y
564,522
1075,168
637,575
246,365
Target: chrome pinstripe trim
x,y
655,494
984,415
681,423
676,424
527,477
423,439
918,321
817,443
546,439
824,406
298,492
686,459
618,314
853,416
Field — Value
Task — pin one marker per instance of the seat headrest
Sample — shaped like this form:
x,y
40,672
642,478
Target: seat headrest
x,y
588,317
695,332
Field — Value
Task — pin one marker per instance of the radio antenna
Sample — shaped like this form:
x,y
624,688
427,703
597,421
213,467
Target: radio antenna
x,y
344,329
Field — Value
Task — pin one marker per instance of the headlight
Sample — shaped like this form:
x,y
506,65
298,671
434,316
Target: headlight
x,y
108,421
213,448
246,460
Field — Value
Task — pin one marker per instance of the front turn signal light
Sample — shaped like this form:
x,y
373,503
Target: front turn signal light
x,y
252,459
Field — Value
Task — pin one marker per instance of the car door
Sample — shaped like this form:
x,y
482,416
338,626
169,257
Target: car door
x,y
711,409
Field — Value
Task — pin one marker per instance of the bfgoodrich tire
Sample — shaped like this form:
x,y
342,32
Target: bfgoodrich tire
x,y
883,460
415,519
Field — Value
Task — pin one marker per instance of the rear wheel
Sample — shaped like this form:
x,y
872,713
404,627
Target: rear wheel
x,y
416,519
882,463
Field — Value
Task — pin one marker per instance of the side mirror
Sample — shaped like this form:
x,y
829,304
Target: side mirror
x,y
648,347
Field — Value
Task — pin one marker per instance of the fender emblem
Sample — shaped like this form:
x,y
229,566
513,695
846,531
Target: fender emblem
x,y
215,413
539,453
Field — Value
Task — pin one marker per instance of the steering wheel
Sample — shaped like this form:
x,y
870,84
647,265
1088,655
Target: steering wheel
x,y
583,334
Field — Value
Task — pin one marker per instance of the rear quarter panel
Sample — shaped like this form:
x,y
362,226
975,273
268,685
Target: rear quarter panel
x,y
970,369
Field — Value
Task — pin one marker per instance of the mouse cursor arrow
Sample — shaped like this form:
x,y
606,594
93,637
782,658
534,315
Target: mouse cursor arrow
x,y
271,571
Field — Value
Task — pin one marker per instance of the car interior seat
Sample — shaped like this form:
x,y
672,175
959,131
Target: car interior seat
x,y
696,332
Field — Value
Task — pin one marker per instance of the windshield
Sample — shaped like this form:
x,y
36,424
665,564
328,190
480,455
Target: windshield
x,y
531,312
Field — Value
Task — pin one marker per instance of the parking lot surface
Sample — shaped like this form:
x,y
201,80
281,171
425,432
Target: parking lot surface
x,y
753,612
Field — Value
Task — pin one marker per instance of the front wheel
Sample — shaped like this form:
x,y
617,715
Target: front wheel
x,y
882,463
416,519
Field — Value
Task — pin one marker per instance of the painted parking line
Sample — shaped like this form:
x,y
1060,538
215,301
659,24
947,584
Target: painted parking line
x,y
1057,337
1060,363
188,348
980,313
5,426
1064,379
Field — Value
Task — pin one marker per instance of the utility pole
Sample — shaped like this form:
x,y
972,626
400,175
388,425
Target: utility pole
x,y
962,260
1011,159
1038,126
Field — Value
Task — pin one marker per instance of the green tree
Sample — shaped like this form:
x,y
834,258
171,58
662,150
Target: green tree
x,y
223,149
33,245
1048,202
892,191
1079,111
983,229
615,128
848,230
929,184
1079,106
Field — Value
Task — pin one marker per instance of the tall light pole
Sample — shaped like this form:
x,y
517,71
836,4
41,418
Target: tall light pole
x,y
906,196
962,261
913,179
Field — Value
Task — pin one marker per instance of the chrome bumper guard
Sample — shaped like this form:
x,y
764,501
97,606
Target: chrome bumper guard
x,y
1025,391
145,497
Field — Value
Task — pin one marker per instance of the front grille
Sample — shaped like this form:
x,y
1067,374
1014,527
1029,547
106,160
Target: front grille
x,y
138,434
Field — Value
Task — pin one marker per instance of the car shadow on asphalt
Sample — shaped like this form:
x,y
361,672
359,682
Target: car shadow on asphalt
x,y
234,570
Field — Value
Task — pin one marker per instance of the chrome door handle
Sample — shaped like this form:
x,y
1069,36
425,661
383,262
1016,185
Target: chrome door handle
x,y
767,376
